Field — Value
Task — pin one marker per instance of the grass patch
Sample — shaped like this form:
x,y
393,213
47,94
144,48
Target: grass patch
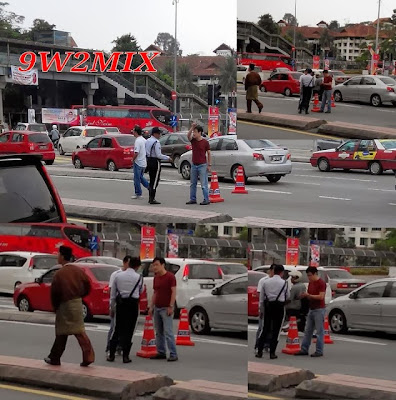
x,y
370,271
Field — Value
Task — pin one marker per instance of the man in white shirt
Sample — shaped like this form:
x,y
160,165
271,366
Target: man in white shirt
x,y
139,162
307,83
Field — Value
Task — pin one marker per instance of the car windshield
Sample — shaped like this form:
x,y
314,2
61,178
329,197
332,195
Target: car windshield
x,y
126,140
389,144
233,269
296,75
95,132
102,274
387,81
111,129
338,274
44,262
260,144
254,278
39,138
110,261
337,73
37,128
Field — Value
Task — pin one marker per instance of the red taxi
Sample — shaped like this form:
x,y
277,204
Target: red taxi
x,y
110,151
287,83
375,155
22,142
253,296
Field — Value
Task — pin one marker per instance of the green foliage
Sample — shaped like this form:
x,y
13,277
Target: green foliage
x,y
165,78
290,19
228,76
10,23
167,43
203,232
388,244
244,235
344,244
125,43
267,23
334,25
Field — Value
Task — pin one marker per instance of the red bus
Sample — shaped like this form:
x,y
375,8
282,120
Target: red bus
x,y
125,117
267,61
45,238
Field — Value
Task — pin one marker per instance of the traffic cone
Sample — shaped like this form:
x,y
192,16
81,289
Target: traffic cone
x,y
240,182
292,341
148,349
316,107
332,101
183,335
214,192
327,338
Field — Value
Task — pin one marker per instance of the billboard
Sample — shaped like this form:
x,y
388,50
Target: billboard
x,y
59,116
147,243
24,78
213,123
292,251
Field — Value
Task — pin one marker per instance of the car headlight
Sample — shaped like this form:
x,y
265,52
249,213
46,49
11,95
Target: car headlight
x,y
192,298
331,301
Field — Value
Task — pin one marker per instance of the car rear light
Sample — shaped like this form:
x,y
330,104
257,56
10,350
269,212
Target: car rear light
x,y
186,272
31,146
188,147
258,157
220,271
288,157
84,133
106,289
127,151
342,285
390,89
31,264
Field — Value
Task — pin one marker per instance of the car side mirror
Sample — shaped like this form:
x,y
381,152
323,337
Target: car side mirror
x,y
216,291
85,146
353,295
38,280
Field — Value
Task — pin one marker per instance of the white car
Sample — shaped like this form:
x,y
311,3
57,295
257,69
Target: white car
x,y
224,307
23,267
232,270
77,137
36,127
192,277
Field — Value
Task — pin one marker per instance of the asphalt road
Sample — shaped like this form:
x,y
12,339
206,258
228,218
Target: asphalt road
x,y
384,116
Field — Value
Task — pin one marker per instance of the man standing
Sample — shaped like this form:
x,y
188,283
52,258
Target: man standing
x,y
252,82
317,310
307,82
69,286
295,306
275,294
162,305
139,162
54,134
154,157
124,296
327,86
201,164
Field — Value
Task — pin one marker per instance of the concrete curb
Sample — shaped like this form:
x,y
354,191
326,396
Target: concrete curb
x,y
269,378
20,316
59,171
356,131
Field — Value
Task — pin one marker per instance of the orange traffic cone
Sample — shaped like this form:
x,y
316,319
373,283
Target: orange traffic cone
x,y
240,182
292,341
316,107
183,335
327,338
332,101
149,349
214,192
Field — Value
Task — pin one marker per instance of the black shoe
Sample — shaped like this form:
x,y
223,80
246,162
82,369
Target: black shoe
x,y
301,353
51,362
306,112
172,358
205,203
259,354
273,356
154,202
158,357
191,202
328,112
110,358
299,111
85,363
126,360
316,355
260,109
321,111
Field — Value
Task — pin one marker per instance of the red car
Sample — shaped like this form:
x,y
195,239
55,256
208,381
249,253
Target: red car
x,y
284,83
375,155
22,142
110,151
253,297
37,295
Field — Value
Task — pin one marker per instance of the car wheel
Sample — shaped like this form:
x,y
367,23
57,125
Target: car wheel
x,y
263,89
375,168
186,170
176,161
234,172
78,164
60,149
49,162
287,92
338,322
199,321
375,100
394,103
111,166
24,304
337,96
86,313
324,165
273,178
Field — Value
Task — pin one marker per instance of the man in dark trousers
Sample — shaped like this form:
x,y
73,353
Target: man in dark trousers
x,y
252,83
275,293
154,157
124,295
69,285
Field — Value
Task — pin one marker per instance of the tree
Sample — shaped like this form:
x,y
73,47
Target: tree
x,y
300,39
185,79
387,244
167,43
9,23
39,25
334,25
394,17
203,232
290,19
228,76
126,43
267,23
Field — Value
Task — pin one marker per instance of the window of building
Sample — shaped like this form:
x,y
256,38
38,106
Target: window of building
x,y
364,229
239,229
363,241
228,230
353,229
376,229
374,241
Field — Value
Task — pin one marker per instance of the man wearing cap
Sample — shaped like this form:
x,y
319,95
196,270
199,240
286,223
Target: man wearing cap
x,y
139,162
154,157
296,305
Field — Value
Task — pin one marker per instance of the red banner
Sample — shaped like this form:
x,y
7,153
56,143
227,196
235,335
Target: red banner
x,y
173,243
147,244
374,63
316,62
213,123
315,255
292,251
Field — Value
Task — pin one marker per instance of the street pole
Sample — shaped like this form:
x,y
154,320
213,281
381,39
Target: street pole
x,y
376,36
294,35
175,66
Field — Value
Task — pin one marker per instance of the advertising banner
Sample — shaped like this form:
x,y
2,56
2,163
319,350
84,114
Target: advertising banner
x,y
232,121
173,245
147,244
316,62
59,116
374,63
326,63
292,251
31,115
213,122
315,255
24,78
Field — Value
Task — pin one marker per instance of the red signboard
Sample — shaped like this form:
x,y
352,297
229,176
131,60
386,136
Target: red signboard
x,y
173,250
213,123
316,62
315,255
174,95
147,245
292,251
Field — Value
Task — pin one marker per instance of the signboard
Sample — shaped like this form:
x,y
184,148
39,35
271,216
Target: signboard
x,y
326,63
232,121
180,232
213,123
31,116
292,251
316,62
173,95
315,255
322,242
94,243
147,243
173,121
59,116
173,245
24,78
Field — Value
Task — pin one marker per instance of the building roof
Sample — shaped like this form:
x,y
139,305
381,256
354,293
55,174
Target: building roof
x,y
321,23
223,46
358,31
309,32
153,47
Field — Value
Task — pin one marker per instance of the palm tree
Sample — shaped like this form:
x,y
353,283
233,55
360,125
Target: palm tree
x,y
185,79
228,76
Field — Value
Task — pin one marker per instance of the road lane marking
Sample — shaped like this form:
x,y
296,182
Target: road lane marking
x,y
41,392
388,111
359,341
392,204
383,190
264,396
334,198
336,178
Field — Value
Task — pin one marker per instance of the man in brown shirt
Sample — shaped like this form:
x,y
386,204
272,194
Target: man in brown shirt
x,y
69,286
252,82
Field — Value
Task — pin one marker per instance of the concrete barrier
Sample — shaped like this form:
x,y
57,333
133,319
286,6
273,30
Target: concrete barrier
x,y
20,316
356,131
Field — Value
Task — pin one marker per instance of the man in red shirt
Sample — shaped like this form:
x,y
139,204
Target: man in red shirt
x,y
317,309
327,86
201,164
162,305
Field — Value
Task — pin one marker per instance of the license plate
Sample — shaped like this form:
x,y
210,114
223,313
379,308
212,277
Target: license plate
x,y
276,158
207,286
353,285
43,147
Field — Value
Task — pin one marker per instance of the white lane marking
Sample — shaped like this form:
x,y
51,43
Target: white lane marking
x,y
348,105
334,198
388,111
392,204
383,190
336,178
306,183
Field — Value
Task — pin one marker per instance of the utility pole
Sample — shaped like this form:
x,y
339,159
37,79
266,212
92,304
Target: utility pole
x,y
175,63
378,26
294,35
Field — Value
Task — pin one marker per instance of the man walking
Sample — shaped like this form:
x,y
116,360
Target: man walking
x,y
317,310
139,162
201,164
275,294
252,82
327,86
54,135
154,157
307,82
69,285
124,296
162,305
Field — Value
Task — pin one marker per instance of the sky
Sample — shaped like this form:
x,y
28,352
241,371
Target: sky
x,y
202,25
310,13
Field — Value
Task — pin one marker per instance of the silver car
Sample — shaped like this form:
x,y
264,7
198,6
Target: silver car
x,y
225,307
258,157
342,281
371,307
371,89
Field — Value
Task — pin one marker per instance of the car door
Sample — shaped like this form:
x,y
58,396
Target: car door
x,y
90,155
214,145
350,91
388,308
4,143
105,152
366,89
225,156
229,306
166,144
66,140
43,293
16,145
366,152
343,156
365,309
11,272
